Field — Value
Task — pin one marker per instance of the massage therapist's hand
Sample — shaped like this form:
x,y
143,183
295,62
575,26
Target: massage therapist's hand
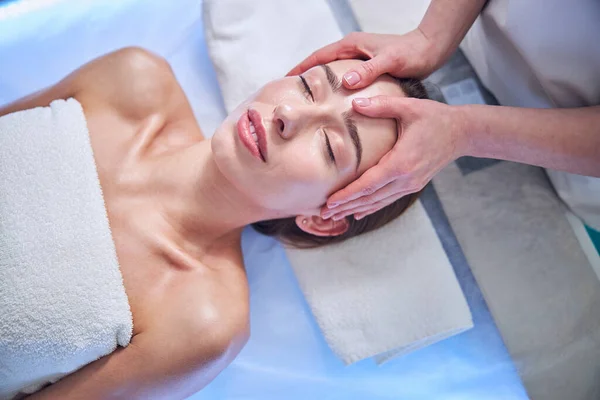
x,y
430,136
408,55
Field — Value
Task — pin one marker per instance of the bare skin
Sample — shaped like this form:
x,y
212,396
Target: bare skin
x,y
565,140
177,205
189,299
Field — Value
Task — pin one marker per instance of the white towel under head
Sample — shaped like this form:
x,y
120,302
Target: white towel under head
x,y
381,294
62,299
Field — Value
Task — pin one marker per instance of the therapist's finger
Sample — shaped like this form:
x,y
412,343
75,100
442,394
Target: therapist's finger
x,y
382,193
370,182
321,56
386,106
370,208
366,73
361,212
376,207
335,51
360,215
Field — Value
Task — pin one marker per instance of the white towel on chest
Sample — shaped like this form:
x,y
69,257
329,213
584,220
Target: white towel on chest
x,y
62,300
378,295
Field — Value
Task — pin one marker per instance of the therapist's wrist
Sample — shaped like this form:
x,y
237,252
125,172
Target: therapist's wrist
x,y
438,50
446,23
483,126
469,129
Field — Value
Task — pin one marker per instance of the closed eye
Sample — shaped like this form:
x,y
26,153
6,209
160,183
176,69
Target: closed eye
x,y
309,92
306,88
329,149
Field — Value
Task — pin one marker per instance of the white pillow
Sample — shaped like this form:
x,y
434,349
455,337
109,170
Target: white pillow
x,y
381,294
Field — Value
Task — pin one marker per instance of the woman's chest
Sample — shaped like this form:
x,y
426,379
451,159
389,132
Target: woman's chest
x,y
150,282
160,288
123,152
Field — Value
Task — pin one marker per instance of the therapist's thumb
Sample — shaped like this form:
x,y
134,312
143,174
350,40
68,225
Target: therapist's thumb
x,y
384,106
363,75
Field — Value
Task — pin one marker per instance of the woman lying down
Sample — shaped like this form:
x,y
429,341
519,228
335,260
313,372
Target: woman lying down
x,y
177,203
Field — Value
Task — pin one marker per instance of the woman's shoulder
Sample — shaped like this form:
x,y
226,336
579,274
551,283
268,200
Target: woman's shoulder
x,y
135,81
131,81
202,319
210,297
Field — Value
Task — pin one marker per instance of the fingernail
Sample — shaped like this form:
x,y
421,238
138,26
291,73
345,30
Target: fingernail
x,y
362,102
333,205
358,217
327,215
352,78
337,217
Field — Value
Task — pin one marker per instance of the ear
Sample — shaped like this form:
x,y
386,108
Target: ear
x,y
315,225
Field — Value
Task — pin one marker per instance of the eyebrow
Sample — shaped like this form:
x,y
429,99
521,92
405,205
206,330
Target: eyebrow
x,y
349,123
334,81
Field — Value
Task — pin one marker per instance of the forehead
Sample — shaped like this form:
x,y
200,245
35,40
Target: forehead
x,y
377,135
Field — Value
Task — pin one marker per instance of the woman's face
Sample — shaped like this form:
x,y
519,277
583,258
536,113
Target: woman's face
x,y
297,140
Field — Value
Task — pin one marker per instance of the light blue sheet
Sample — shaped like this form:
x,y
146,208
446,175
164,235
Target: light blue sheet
x,y
286,357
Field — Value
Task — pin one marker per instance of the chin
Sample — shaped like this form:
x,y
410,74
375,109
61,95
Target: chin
x,y
230,164
222,146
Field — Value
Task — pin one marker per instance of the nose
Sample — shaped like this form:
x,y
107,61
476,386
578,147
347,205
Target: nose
x,y
286,120
290,119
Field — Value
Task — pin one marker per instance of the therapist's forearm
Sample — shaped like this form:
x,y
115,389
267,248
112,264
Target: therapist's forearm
x,y
446,23
561,139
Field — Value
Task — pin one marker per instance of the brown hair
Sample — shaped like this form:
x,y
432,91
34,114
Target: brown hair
x,y
286,229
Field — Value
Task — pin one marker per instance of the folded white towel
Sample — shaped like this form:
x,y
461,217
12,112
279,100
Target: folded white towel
x,y
253,42
62,299
381,294
384,293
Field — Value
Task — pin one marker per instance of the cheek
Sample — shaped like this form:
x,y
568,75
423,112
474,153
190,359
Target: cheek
x,y
299,179
302,161
276,92
269,96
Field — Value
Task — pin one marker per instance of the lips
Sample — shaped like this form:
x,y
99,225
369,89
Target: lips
x,y
259,129
252,133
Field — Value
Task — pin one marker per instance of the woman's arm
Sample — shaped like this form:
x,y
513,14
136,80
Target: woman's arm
x,y
42,98
561,139
446,23
162,364
131,82
414,54
433,134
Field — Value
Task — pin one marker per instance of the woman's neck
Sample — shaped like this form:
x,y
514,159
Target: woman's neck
x,y
202,205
